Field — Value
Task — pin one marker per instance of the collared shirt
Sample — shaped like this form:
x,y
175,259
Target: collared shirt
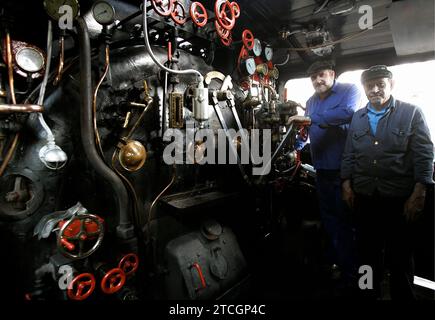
x,y
394,158
330,119
375,115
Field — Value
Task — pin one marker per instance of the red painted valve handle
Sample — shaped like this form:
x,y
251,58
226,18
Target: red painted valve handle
x,y
113,281
248,39
201,276
227,41
198,13
129,264
222,33
236,9
163,7
81,287
179,13
226,20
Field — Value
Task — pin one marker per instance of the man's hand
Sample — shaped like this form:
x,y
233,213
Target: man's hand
x,y
415,204
347,193
299,120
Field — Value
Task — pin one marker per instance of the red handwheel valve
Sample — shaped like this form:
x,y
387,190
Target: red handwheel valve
x,y
248,39
113,281
198,13
236,9
129,264
81,287
225,15
178,14
163,7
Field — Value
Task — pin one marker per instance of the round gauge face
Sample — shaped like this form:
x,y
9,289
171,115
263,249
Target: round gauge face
x,y
275,73
103,12
257,48
250,66
52,7
268,53
29,59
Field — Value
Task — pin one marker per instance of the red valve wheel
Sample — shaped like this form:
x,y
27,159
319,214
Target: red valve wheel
x,y
236,9
113,281
129,264
248,39
80,236
224,12
198,14
81,287
163,7
179,14
227,41
222,33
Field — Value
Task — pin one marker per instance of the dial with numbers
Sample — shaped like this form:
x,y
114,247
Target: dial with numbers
x,y
257,48
103,12
249,66
29,59
268,53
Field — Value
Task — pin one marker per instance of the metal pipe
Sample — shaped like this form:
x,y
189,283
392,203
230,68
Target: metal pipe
x,y
150,212
61,60
14,143
125,229
10,67
150,51
50,136
21,108
94,101
10,153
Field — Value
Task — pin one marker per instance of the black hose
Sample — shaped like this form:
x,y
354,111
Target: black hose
x,y
125,227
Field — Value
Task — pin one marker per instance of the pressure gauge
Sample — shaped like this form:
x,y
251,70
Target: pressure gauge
x,y
103,13
52,8
274,73
268,53
29,59
248,66
257,48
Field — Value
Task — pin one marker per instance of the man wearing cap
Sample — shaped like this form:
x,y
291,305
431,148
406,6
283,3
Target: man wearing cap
x,y
330,109
387,164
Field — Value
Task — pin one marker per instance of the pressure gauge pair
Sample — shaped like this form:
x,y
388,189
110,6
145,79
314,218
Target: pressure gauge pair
x,y
267,53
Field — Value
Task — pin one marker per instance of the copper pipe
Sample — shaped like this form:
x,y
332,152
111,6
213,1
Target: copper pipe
x,y
20,108
94,102
61,61
14,143
129,185
10,153
150,217
148,102
10,67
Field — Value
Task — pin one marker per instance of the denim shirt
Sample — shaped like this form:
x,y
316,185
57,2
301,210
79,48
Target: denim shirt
x,y
330,119
393,159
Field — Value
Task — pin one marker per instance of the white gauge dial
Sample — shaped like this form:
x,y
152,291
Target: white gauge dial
x,y
29,59
268,53
52,7
103,12
257,48
250,66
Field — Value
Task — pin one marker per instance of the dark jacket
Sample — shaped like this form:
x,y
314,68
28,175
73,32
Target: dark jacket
x,y
400,154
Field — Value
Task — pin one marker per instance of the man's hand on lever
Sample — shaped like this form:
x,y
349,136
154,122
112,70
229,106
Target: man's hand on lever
x,y
299,120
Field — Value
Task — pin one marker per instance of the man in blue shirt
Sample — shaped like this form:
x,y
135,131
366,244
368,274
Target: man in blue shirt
x,y
331,109
387,164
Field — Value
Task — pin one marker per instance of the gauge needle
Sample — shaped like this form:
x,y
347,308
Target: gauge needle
x,y
101,13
